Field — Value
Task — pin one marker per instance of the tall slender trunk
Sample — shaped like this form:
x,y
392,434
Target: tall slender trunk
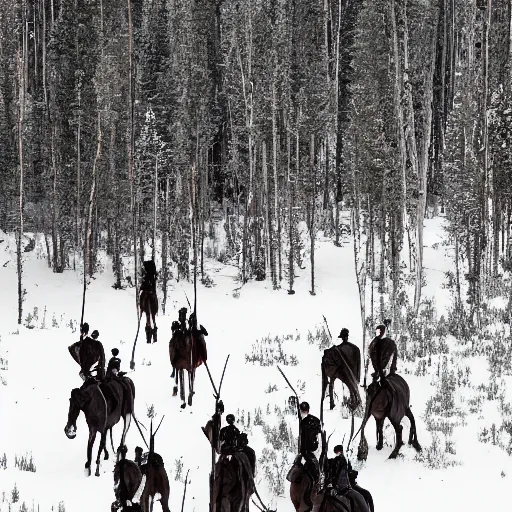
x,y
165,243
312,223
22,64
131,148
422,171
291,266
155,210
277,215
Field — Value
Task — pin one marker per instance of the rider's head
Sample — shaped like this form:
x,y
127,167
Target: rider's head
x,y
304,409
220,407
230,419
115,352
85,328
338,449
95,335
138,451
380,330
344,334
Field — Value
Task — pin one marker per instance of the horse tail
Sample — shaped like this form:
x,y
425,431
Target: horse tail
x,y
112,442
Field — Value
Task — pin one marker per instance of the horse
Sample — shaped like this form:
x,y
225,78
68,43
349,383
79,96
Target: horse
x,y
383,402
127,480
103,405
342,362
234,483
351,501
148,299
300,485
187,351
156,482
87,353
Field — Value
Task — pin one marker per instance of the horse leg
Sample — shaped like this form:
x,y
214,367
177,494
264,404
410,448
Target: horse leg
x,y
148,326
155,328
191,378
398,442
175,374
90,443
413,437
380,436
105,447
126,425
331,393
103,442
182,389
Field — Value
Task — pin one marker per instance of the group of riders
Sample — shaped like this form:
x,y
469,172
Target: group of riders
x,y
338,476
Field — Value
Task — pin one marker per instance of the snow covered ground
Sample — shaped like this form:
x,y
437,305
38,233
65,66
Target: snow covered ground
x,y
40,375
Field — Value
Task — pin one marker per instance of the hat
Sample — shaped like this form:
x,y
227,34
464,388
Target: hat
x,y
344,333
115,352
95,334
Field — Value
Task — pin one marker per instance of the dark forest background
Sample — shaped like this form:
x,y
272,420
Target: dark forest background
x,y
128,124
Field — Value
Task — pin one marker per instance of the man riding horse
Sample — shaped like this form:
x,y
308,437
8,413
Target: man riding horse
x,y
310,429
382,350
148,297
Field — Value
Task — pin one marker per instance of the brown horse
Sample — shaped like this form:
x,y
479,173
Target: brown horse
x,y
383,402
87,353
156,483
127,480
234,483
342,362
149,305
187,351
351,501
103,406
301,484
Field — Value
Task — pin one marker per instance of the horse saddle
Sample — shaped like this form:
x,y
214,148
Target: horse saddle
x,y
112,391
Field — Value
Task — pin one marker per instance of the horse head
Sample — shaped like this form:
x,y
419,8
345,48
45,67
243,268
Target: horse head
x,y
77,402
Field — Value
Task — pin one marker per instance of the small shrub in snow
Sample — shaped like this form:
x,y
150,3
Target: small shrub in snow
x,y
258,417
25,463
436,456
62,508
3,461
271,388
55,324
320,337
275,466
207,281
178,466
268,352
15,494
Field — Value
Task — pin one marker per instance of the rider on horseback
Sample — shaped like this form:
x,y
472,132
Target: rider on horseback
x,y
382,351
114,366
228,436
149,276
337,479
310,429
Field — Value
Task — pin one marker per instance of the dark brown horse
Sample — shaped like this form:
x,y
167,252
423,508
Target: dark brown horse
x,y
103,406
351,501
301,484
234,483
187,351
87,353
342,362
383,402
127,480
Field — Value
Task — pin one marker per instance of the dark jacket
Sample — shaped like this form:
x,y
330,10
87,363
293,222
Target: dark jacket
x,y
381,351
228,438
337,473
310,427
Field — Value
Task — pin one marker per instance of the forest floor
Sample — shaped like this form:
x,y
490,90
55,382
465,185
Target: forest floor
x,y
464,464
